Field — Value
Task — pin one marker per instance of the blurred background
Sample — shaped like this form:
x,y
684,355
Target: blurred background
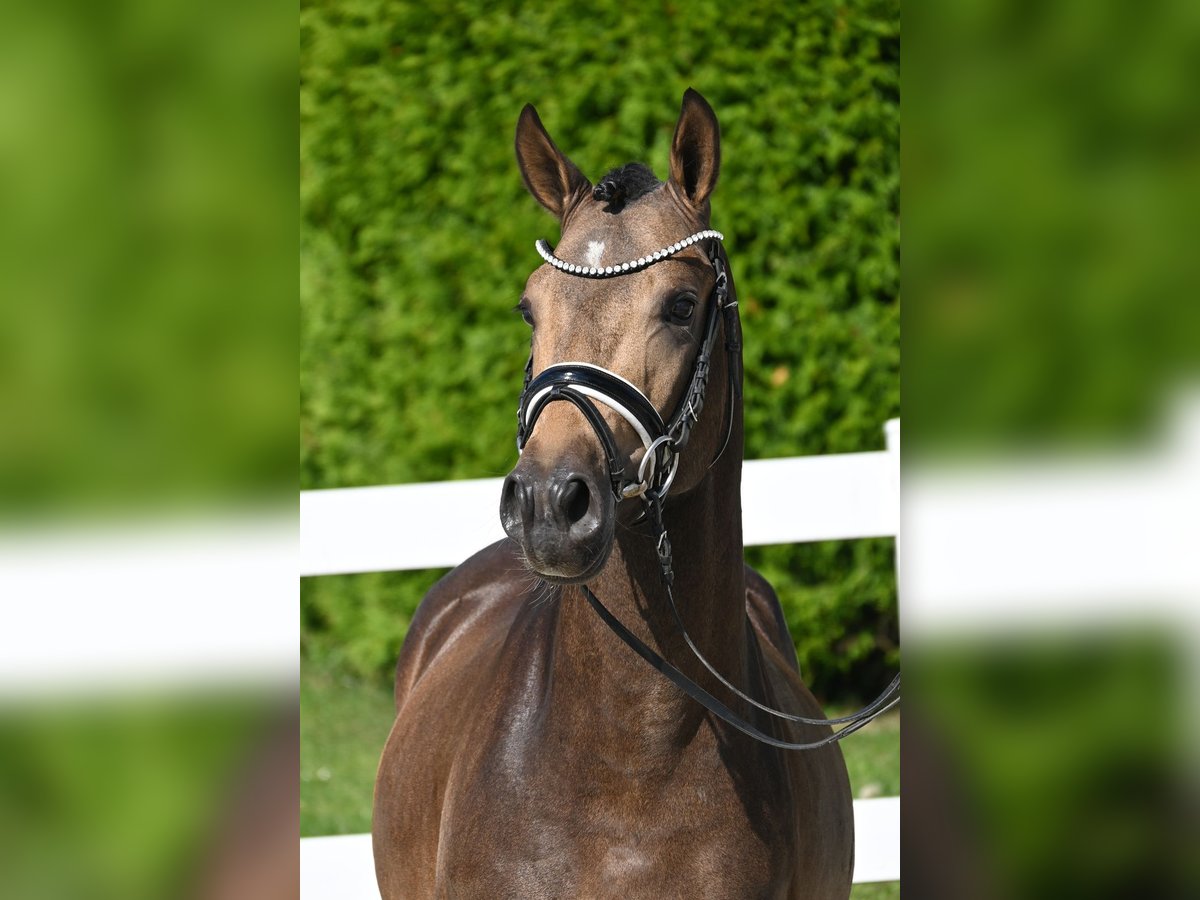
x,y
1050,581
147,320
417,238
148,711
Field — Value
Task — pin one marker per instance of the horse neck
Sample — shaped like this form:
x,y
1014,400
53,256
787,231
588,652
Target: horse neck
x,y
638,708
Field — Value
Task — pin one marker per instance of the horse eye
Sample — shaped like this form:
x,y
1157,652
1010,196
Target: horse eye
x,y
682,307
526,313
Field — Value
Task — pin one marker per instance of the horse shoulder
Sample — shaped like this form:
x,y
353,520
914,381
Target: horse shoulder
x,y
471,602
462,619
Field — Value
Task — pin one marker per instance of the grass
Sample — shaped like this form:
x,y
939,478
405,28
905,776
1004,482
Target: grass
x,y
873,760
345,721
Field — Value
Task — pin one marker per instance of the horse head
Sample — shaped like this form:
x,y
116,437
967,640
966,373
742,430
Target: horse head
x,y
624,314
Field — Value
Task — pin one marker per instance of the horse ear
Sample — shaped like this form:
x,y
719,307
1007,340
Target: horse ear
x,y
554,180
696,150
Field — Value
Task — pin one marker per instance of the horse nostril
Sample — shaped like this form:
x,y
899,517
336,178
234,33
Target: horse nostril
x,y
575,500
515,500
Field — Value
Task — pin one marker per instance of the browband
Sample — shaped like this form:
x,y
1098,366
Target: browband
x,y
547,253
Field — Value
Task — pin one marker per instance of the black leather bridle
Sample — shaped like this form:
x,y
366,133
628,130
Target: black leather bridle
x,y
580,384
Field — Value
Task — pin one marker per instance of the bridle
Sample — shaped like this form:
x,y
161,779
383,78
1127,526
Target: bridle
x,y
577,382
580,383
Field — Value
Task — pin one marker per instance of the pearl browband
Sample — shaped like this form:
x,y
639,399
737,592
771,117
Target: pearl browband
x,y
625,268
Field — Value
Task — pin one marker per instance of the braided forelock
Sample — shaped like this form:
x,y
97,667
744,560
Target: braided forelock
x,y
625,184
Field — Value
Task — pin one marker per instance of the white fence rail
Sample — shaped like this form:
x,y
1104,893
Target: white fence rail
x,y
113,608
419,526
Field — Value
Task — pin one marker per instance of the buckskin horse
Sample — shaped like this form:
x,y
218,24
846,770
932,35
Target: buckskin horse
x,y
535,753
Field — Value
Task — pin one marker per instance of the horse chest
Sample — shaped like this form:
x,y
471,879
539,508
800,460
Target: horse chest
x,y
561,830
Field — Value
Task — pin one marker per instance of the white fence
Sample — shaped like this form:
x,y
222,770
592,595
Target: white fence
x,y
421,526
417,526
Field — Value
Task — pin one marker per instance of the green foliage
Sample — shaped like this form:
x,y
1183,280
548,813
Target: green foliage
x,y
120,798
344,723
147,340
1052,242
1043,723
839,598
417,236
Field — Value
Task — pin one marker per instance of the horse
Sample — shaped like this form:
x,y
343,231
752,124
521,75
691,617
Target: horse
x,y
534,754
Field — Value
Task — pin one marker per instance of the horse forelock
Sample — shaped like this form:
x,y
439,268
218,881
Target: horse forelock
x,y
625,184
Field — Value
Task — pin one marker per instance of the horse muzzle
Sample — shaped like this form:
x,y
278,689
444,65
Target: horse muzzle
x,y
562,519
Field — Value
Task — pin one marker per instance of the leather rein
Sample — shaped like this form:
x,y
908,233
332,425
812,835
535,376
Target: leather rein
x,y
580,384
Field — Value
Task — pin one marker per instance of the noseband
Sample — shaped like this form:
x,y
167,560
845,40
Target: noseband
x,y
580,383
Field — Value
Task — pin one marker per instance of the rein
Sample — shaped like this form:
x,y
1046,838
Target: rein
x,y
580,383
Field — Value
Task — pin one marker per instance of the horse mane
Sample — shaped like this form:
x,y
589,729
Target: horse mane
x,y
624,184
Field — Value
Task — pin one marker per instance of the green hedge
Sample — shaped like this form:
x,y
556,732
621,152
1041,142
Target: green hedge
x,y
417,237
